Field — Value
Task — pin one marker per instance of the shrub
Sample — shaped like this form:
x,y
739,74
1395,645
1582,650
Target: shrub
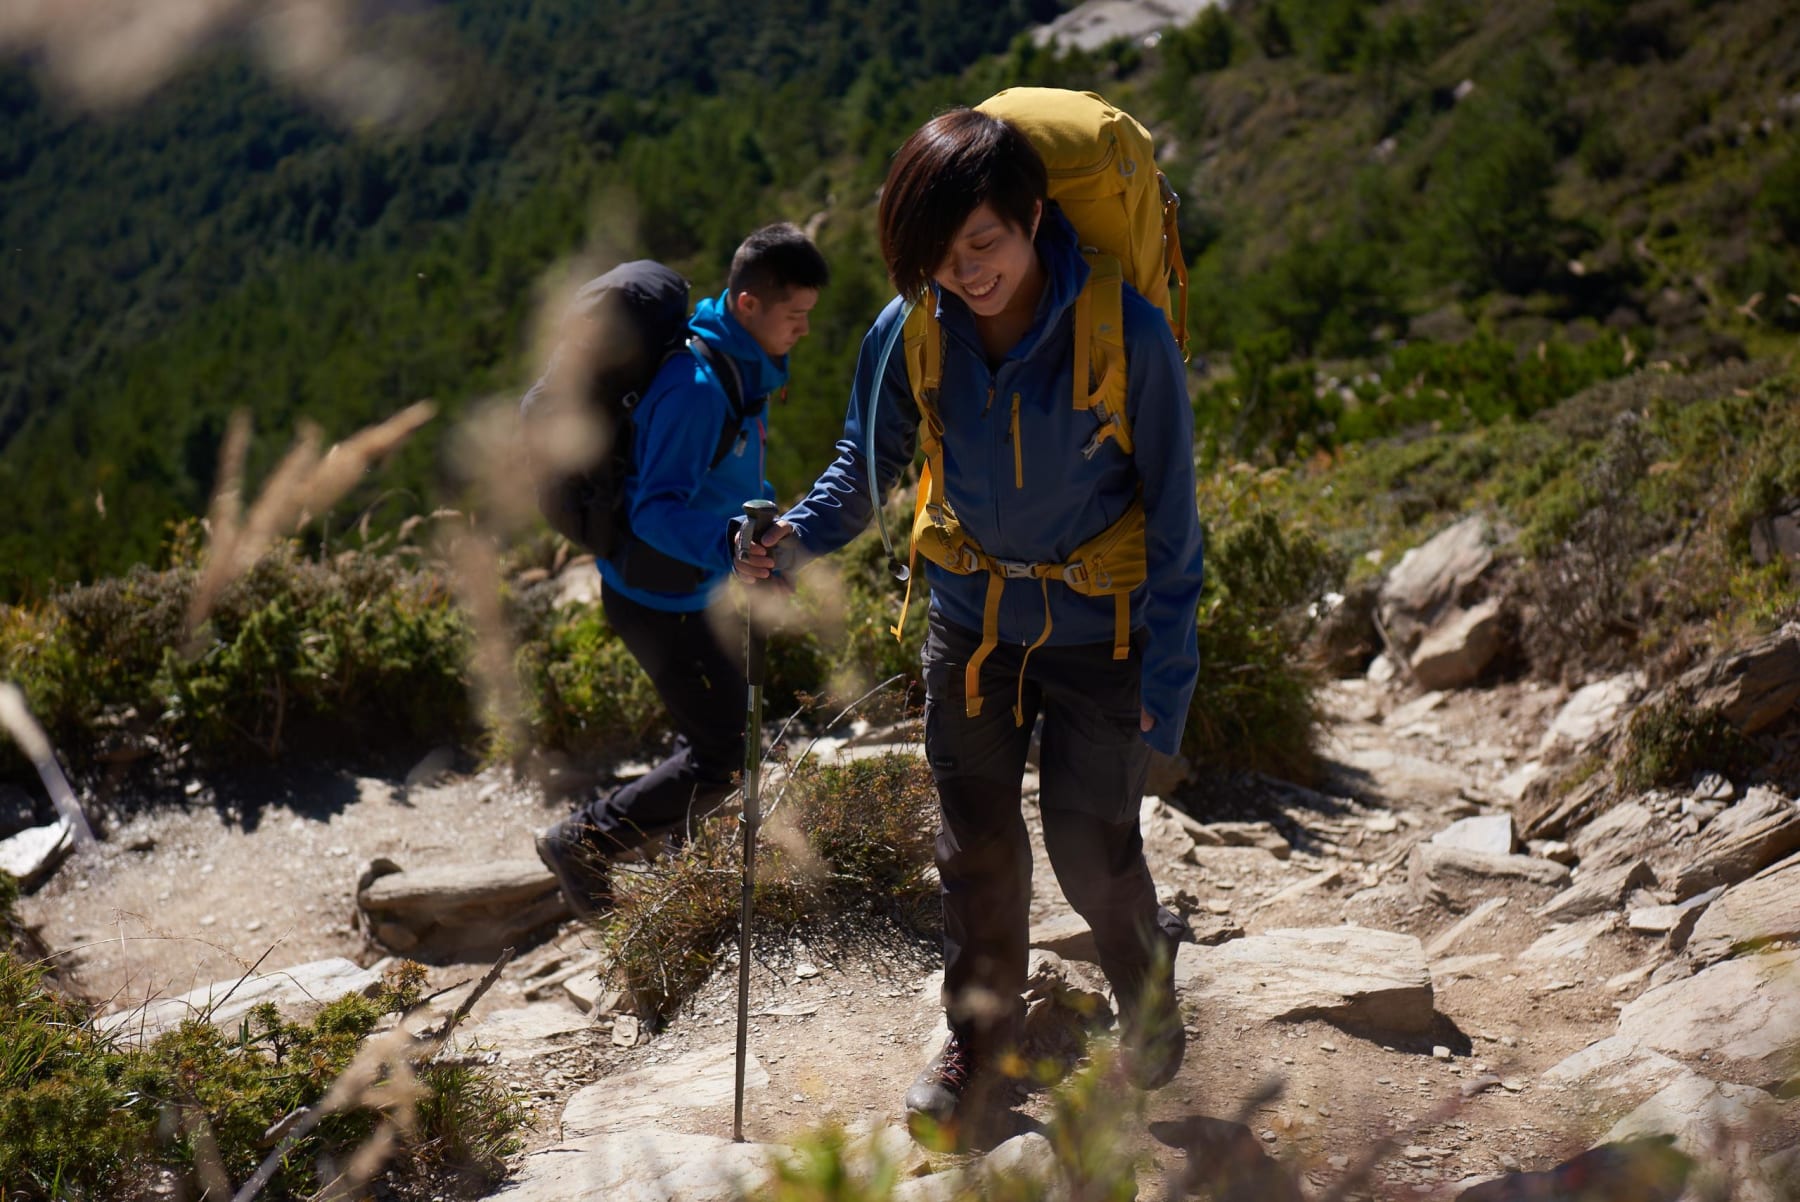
x,y
298,655
1669,741
1488,223
83,1116
1254,704
584,693
845,837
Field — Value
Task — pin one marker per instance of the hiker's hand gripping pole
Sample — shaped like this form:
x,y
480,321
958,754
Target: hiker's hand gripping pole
x,y
759,515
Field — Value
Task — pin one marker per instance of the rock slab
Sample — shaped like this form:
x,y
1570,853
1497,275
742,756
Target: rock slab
x,y
704,1079
223,1003
457,911
1762,910
1746,1011
1350,975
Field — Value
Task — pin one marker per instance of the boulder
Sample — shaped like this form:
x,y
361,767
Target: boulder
x,y
1592,711
1349,975
525,1033
1490,834
1776,537
224,1003
1626,832
1064,1000
1445,874
1755,687
1616,1065
1166,837
1345,640
1456,651
1067,935
1598,891
1432,579
451,912
644,1165
1762,910
1676,921
1712,1123
1745,1011
1569,942
32,855
1746,838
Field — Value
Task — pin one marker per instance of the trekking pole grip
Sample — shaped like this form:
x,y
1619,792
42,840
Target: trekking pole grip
x,y
760,515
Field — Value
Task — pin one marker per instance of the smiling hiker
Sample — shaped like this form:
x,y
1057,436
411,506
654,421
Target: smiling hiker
x,y
1056,513
693,454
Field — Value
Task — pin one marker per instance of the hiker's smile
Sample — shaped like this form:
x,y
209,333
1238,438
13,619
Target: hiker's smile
x,y
988,262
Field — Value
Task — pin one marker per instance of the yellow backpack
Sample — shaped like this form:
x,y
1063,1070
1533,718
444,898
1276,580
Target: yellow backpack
x,y
1102,172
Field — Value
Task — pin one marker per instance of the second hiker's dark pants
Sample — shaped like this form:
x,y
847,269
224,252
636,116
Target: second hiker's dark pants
x,y
1092,765
696,663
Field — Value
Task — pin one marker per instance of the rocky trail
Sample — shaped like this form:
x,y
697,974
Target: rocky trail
x,y
1467,964
1385,948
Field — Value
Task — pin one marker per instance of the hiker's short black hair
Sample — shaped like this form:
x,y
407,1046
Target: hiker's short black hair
x,y
953,164
774,260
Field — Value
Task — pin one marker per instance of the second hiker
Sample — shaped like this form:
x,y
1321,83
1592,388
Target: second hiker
x,y
660,588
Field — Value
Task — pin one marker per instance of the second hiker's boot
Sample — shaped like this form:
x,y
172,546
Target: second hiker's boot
x,y
569,850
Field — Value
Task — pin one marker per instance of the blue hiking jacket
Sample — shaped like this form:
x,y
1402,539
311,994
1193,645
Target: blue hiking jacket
x,y
1065,500
677,502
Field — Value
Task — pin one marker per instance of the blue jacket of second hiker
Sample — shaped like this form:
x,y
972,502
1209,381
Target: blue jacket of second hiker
x,y
1058,498
678,502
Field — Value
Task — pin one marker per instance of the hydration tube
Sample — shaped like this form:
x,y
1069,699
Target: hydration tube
x,y
901,571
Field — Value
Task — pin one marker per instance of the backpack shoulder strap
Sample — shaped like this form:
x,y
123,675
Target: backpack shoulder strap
x,y
726,373
1100,368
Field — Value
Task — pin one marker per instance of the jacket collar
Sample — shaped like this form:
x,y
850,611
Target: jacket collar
x,y
713,321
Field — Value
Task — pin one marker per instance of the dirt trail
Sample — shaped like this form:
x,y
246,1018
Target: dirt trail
x,y
190,896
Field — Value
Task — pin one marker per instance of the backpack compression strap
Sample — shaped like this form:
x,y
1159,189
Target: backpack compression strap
x,y
725,371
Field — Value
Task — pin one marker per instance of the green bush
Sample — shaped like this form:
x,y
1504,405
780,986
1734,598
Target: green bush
x,y
300,654
1487,222
82,1116
1668,742
1254,705
584,693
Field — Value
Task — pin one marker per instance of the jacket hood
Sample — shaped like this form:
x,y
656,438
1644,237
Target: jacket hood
x,y
713,321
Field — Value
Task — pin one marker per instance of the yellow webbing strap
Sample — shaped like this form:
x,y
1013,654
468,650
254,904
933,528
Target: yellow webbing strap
x,y
1019,699
990,638
1173,261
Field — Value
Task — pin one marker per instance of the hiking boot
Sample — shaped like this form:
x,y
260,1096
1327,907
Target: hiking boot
x,y
1153,1040
950,1086
579,866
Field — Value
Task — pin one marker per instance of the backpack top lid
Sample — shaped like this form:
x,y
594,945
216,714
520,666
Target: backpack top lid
x,y
1102,171
636,316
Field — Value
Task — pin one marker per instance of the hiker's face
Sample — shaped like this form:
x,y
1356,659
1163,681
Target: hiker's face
x,y
989,261
777,325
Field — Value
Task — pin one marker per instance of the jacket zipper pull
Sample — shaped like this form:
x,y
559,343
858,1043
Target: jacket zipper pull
x,y
990,400
1017,446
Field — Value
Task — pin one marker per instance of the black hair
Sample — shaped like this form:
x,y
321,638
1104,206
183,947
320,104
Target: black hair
x,y
949,167
775,259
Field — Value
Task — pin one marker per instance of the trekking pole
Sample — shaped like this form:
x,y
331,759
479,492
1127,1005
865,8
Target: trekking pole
x,y
760,515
